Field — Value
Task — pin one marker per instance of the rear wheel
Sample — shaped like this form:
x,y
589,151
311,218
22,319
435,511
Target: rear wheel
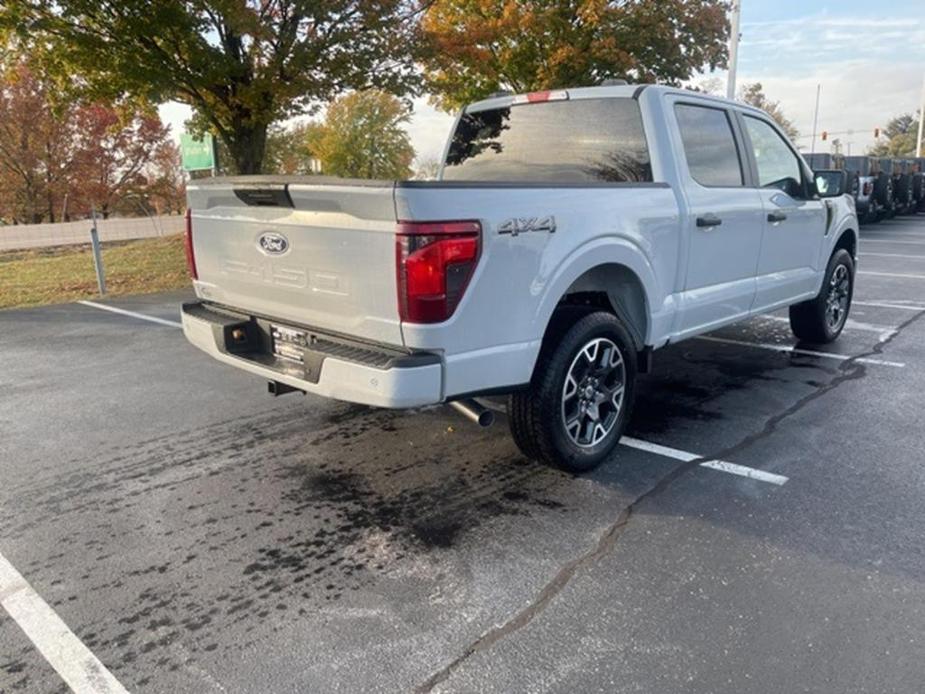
x,y
822,319
580,399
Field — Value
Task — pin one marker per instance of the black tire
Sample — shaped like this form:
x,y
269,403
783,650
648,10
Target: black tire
x,y
854,185
883,190
902,191
810,320
537,415
518,413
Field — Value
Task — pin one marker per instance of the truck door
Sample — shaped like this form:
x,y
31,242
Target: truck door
x,y
795,219
724,223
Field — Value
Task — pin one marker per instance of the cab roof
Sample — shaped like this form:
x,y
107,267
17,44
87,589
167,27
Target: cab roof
x,y
601,92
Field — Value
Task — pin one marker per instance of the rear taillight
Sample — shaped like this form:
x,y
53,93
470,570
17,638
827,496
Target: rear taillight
x,y
435,261
188,246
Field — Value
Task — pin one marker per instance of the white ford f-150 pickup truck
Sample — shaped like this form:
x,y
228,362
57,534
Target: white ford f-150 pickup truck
x,y
569,235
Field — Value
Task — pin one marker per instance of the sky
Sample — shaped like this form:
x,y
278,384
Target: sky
x,y
868,56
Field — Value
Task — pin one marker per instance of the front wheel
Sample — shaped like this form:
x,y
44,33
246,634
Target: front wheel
x,y
581,395
822,319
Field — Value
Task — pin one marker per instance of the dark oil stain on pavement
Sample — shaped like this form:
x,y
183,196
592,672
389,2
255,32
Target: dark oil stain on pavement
x,y
184,536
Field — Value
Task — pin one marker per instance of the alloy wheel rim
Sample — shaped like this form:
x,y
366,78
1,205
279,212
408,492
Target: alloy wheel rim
x,y
836,305
592,396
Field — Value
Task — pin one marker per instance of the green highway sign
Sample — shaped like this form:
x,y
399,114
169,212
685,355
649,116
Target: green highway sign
x,y
197,154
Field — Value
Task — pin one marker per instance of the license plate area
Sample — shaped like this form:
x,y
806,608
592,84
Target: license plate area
x,y
289,343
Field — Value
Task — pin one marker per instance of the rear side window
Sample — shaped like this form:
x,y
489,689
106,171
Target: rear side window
x,y
709,146
585,140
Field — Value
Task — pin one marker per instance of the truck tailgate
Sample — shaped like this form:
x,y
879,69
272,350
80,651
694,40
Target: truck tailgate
x,y
320,255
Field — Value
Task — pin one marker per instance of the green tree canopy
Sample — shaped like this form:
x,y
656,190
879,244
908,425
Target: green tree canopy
x,y
288,150
362,137
898,138
476,47
241,64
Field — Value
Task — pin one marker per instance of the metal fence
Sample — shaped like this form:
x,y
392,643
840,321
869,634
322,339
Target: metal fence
x,y
68,233
71,262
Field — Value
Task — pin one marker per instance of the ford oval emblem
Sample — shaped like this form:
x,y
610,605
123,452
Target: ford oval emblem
x,y
272,243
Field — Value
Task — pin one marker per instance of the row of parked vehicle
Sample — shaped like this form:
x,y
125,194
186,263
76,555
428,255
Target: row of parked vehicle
x,y
882,187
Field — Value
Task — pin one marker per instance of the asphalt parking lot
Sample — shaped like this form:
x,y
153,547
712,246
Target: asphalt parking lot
x,y
197,535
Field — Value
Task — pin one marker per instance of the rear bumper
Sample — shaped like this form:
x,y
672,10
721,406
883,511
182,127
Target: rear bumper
x,y
333,367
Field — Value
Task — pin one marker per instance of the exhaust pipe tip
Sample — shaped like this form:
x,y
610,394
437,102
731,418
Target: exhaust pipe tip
x,y
473,411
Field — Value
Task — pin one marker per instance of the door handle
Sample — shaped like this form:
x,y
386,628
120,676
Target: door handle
x,y
776,216
708,220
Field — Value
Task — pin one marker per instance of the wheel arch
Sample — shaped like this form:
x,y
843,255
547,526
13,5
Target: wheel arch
x,y
848,240
614,286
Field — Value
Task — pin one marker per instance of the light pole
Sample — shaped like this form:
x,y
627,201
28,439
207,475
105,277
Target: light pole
x,y
812,147
733,49
918,142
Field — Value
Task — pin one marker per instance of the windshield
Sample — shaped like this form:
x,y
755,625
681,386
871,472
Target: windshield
x,y
585,140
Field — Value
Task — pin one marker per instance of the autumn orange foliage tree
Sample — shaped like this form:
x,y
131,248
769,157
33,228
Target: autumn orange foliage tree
x,y
37,149
60,160
475,47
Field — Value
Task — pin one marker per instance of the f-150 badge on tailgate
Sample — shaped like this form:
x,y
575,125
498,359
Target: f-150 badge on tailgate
x,y
272,243
521,225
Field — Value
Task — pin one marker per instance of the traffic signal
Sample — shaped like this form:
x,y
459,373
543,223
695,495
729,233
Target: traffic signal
x,y
825,135
876,133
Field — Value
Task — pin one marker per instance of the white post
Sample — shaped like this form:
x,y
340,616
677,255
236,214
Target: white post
x,y
733,49
97,256
918,142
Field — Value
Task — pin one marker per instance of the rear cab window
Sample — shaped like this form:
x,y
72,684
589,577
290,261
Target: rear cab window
x,y
709,146
571,141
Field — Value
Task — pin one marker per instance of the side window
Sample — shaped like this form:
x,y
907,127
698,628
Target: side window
x,y
709,146
778,166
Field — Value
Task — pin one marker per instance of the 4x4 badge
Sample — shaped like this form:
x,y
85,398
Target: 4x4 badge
x,y
521,225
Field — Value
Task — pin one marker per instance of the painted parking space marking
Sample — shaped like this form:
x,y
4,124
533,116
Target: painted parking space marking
x,y
906,243
720,465
884,331
790,349
683,456
894,232
892,255
899,275
888,304
72,660
133,314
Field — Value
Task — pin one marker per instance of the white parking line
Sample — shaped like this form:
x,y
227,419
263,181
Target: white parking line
x,y
78,667
789,349
886,304
893,255
133,314
883,331
899,275
683,456
895,232
907,243
720,465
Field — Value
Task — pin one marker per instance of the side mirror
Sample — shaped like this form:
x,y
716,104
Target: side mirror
x,y
830,183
